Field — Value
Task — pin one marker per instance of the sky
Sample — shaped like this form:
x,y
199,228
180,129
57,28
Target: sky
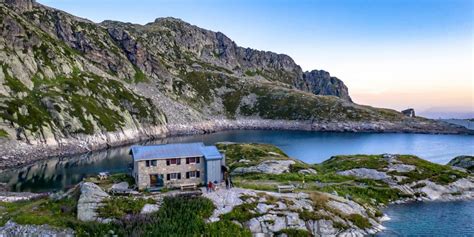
x,y
390,53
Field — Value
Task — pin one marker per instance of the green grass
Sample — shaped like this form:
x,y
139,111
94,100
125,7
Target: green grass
x,y
365,195
255,153
441,174
226,228
241,213
340,163
359,221
294,233
118,207
140,76
3,133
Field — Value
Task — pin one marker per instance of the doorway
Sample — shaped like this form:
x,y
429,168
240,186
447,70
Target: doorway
x,y
156,180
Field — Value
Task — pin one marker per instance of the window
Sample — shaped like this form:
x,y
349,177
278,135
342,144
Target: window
x,y
153,163
173,176
173,161
192,160
193,174
147,163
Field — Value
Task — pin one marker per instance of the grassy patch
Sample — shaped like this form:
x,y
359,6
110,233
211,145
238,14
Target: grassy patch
x,y
294,232
359,221
3,133
226,228
365,195
242,213
441,174
140,76
254,153
117,207
340,163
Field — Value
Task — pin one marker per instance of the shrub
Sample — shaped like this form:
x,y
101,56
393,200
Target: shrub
x,y
117,207
359,221
241,213
294,232
226,228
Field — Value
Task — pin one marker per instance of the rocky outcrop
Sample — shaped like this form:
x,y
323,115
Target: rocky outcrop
x,y
267,167
277,211
89,200
409,113
365,173
464,162
321,82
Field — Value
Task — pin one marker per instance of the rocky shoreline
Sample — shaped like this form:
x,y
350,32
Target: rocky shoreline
x,y
18,153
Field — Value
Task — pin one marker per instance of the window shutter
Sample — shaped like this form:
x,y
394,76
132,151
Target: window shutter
x,y
187,160
198,173
187,175
179,175
167,162
168,177
198,159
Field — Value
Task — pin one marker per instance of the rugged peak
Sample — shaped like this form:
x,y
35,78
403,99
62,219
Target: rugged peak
x,y
321,82
22,5
161,20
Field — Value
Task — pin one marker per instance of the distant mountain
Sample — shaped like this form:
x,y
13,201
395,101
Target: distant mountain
x,y
64,77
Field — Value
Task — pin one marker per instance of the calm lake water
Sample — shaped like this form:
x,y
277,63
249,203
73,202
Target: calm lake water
x,y
311,147
416,219
430,219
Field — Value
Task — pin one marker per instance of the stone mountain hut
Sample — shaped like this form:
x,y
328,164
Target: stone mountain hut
x,y
175,165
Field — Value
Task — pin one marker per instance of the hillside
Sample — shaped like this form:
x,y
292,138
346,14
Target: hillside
x,y
67,82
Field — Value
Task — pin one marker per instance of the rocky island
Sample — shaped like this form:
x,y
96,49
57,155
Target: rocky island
x,y
342,196
69,85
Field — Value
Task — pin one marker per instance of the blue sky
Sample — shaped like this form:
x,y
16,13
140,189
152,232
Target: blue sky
x,y
391,53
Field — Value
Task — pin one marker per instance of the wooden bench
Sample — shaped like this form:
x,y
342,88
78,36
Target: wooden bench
x,y
188,187
285,188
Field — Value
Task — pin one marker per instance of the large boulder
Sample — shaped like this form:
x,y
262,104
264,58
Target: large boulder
x,y
365,173
90,199
267,167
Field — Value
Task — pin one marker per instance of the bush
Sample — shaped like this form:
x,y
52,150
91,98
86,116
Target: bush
x,y
241,213
294,232
226,228
117,207
359,221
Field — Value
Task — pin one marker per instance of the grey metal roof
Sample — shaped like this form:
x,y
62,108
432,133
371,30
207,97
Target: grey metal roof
x,y
174,151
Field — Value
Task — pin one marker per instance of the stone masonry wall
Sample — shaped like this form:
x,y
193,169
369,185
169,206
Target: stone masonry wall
x,y
161,168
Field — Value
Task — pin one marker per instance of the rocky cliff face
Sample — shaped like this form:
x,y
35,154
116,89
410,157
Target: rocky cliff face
x,y
63,77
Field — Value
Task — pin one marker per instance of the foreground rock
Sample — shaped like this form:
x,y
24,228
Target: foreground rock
x,y
90,199
321,215
11,229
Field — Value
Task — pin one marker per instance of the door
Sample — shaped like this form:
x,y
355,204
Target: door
x,y
156,180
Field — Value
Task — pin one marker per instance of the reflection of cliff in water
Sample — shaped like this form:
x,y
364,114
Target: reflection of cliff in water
x,y
59,173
